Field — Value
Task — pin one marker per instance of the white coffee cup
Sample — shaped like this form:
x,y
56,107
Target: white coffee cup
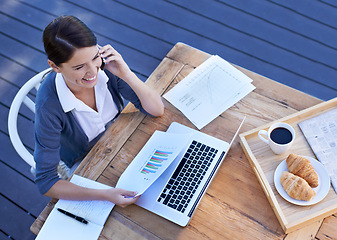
x,y
279,137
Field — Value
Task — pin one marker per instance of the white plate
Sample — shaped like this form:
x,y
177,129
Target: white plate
x,y
321,191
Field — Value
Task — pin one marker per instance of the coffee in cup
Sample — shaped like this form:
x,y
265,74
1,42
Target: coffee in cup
x,y
279,137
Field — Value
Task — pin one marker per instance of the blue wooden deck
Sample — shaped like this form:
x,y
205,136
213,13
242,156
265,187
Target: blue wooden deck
x,y
292,42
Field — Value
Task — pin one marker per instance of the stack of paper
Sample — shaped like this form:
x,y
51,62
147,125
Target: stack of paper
x,y
209,90
59,226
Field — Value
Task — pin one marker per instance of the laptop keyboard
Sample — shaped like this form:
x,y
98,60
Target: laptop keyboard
x,y
187,177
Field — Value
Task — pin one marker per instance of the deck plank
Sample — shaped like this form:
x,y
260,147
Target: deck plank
x,y
3,235
330,3
25,193
15,222
15,74
25,126
278,16
316,11
23,54
9,156
21,31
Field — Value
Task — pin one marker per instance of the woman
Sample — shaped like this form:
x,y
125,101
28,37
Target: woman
x,y
77,102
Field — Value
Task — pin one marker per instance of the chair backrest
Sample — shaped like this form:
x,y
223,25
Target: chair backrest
x,y
22,97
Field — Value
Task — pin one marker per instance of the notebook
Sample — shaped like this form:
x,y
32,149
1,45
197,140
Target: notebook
x,y
175,190
60,226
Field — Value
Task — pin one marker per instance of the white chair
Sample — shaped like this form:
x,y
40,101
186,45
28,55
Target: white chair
x,y
22,97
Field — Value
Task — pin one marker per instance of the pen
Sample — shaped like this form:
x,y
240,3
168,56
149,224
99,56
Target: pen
x,y
80,219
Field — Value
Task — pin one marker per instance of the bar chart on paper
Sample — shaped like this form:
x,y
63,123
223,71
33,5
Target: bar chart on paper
x,y
153,159
156,161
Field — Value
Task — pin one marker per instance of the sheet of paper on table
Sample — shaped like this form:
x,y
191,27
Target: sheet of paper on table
x,y
209,90
59,226
321,134
154,158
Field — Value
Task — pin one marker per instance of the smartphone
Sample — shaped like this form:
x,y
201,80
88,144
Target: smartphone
x,y
103,64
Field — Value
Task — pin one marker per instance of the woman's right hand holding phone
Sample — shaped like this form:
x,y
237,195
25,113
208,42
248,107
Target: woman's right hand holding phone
x,y
114,62
150,99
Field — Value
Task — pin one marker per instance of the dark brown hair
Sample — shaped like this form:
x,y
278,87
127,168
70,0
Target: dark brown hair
x,y
63,36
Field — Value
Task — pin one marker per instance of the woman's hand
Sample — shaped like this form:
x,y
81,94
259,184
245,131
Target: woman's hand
x,y
150,99
121,197
114,62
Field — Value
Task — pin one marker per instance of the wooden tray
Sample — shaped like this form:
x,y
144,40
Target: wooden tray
x,y
264,163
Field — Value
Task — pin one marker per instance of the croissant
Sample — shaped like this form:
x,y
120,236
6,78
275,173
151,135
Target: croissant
x,y
302,167
296,187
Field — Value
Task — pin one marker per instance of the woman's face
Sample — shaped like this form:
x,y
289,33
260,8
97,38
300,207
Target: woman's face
x,y
81,70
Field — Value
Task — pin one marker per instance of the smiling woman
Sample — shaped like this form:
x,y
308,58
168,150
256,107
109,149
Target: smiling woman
x,y
77,102
81,78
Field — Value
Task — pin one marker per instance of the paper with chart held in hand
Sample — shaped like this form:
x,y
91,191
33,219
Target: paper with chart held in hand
x,y
209,90
154,158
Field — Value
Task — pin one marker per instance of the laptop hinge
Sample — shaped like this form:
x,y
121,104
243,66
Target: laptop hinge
x,y
206,185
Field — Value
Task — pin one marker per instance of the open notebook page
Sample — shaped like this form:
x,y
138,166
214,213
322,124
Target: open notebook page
x,y
60,226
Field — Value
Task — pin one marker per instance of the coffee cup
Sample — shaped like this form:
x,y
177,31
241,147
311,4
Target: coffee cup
x,y
279,137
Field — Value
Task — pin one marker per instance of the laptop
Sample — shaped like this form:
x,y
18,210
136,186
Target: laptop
x,y
176,194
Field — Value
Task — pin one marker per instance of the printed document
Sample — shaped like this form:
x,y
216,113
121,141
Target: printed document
x,y
154,158
321,134
59,226
209,90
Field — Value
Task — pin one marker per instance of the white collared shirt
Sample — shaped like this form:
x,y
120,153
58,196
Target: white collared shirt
x,y
92,122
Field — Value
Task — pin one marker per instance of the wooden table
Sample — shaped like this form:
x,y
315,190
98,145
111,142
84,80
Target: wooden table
x,y
235,206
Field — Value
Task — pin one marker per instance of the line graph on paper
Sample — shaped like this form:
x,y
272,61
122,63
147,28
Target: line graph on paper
x,y
213,91
210,83
209,90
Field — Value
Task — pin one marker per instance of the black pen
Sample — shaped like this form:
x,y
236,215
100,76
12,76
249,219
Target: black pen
x,y
80,219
